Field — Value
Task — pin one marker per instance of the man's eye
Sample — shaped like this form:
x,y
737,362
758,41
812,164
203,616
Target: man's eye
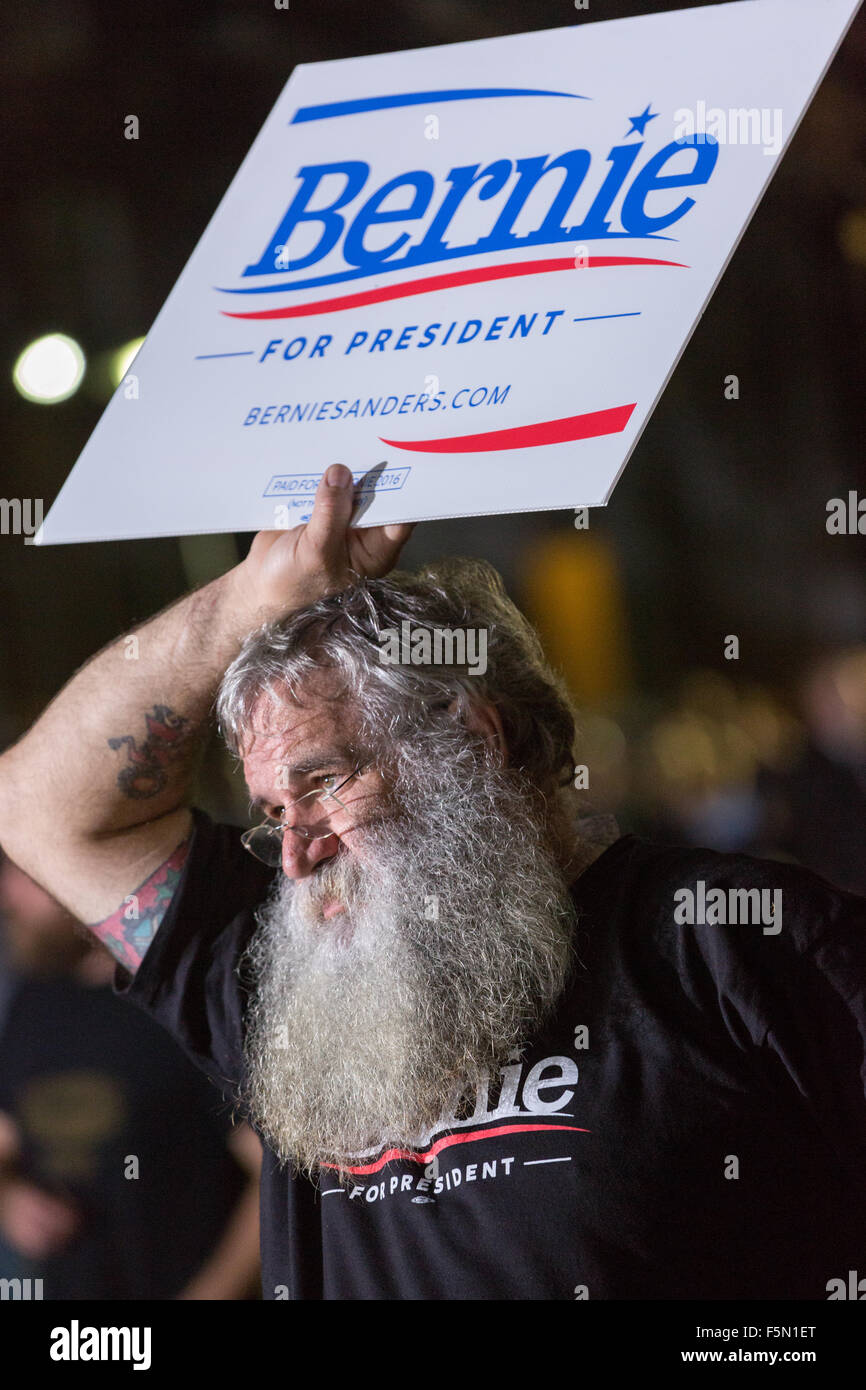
x,y
328,780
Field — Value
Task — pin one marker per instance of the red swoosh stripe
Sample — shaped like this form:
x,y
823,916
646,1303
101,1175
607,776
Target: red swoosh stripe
x,y
588,426
473,276
446,1143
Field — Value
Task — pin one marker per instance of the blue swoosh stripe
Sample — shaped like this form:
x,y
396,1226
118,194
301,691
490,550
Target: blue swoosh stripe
x,y
352,108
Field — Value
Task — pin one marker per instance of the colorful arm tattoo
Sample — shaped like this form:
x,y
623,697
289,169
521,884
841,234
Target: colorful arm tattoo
x,y
129,931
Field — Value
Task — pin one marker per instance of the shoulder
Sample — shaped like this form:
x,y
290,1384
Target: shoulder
x,y
724,926
742,957
690,886
188,980
218,868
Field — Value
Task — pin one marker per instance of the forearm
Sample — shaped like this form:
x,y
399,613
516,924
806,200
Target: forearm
x,y
119,745
233,1269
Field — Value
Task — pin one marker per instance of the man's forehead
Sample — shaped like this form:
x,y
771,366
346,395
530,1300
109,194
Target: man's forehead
x,y
283,734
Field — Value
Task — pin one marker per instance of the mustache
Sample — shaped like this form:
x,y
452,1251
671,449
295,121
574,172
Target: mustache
x,y
343,876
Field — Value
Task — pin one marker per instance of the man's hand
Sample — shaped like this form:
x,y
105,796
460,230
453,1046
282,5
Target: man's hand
x,y
287,569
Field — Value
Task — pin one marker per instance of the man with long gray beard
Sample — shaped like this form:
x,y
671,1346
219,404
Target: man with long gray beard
x,y
452,942
491,1053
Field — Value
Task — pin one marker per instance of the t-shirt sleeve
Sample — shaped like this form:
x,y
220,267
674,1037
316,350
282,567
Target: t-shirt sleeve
x,y
188,980
791,989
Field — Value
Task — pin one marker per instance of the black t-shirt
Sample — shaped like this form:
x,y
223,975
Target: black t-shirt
x,y
692,1124
112,1117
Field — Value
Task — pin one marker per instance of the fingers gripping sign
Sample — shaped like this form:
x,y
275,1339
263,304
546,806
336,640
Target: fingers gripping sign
x,y
287,569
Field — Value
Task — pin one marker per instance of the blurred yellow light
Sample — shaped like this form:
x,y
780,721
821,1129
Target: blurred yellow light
x,y
684,750
122,360
852,235
49,370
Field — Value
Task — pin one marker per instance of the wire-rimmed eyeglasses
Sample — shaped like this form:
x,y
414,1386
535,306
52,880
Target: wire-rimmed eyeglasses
x,y
265,841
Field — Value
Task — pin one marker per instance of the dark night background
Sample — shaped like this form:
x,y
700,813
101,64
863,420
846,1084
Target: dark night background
x,y
717,526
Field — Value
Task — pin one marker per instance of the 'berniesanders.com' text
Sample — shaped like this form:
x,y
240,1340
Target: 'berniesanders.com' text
x,y
345,409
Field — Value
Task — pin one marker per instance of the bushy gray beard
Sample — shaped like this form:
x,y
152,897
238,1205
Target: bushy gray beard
x,y
365,1030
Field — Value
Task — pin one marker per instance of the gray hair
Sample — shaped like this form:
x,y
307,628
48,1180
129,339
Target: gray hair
x,y
344,633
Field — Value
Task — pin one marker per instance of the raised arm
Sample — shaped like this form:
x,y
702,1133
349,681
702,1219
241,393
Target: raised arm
x,y
94,799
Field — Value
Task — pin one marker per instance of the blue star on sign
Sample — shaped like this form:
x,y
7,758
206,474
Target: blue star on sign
x,y
638,123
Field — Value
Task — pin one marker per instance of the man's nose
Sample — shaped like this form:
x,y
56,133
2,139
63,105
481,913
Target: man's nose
x,y
301,857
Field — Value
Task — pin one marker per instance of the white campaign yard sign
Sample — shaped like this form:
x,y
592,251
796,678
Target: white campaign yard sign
x,y
465,271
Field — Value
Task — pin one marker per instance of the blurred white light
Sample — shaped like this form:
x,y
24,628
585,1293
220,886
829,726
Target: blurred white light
x,y
122,359
49,369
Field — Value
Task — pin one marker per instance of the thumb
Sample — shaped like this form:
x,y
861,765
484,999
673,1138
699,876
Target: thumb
x,y
332,510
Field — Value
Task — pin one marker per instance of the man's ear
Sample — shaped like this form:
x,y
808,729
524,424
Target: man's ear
x,y
483,718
